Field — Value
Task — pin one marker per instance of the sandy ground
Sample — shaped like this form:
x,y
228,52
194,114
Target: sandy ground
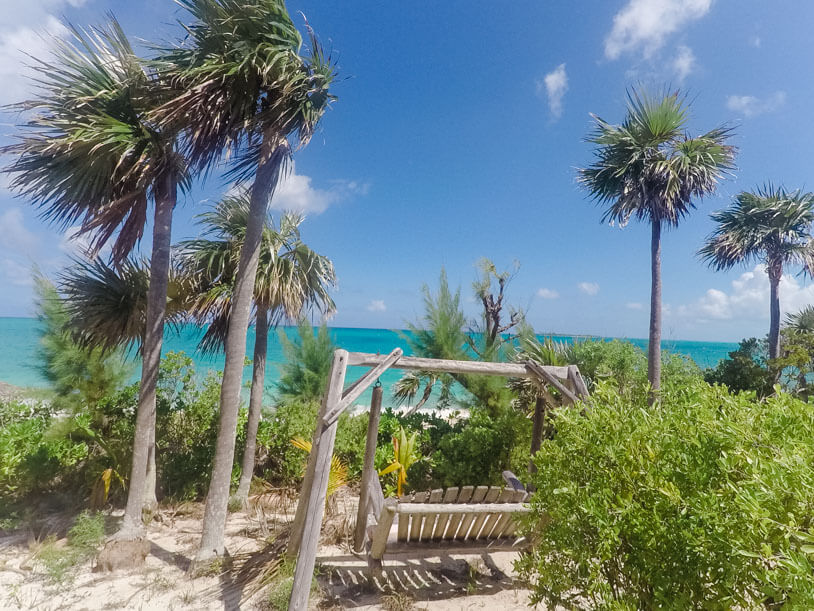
x,y
442,583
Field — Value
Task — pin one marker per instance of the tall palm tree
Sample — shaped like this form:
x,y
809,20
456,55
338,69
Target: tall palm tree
x,y
244,89
91,154
650,169
768,224
290,279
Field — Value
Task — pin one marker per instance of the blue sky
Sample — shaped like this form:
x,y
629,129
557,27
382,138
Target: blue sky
x,y
457,133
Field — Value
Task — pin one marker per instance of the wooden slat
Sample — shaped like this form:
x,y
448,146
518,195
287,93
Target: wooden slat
x,y
434,509
450,496
429,519
511,370
505,496
505,525
466,522
491,496
404,523
455,520
579,384
382,532
415,526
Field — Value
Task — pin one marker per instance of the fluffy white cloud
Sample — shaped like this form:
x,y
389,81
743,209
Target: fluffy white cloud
x,y
589,288
749,105
683,62
748,299
547,293
25,29
377,305
634,305
17,273
296,194
554,85
15,237
755,41
644,25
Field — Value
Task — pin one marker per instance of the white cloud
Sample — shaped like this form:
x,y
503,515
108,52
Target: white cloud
x,y
755,41
589,288
554,85
547,293
634,305
14,235
377,305
749,105
25,29
296,194
683,62
748,299
16,273
644,25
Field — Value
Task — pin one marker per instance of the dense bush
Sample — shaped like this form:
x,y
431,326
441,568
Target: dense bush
x,y
624,365
744,369
702,500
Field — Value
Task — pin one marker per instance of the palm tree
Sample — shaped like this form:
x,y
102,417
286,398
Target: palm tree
x,y
802,321
90,154
650,169
290,279
771,225
244,90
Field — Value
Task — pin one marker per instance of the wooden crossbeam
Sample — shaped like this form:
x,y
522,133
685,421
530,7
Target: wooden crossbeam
x,y
360,386
414,363
544,374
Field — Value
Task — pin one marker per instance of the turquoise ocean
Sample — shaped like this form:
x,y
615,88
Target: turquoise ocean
x,y
19,339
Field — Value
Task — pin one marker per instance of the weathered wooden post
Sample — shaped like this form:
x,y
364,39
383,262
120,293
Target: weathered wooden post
x,y
369,468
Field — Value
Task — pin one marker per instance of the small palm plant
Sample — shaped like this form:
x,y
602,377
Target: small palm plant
x,y
338,474
650,169
802,321
405,454
769,224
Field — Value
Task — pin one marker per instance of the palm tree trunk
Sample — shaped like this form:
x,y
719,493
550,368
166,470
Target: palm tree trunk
x,y
150,498
775,273
165,199
273,155
654,338
261,331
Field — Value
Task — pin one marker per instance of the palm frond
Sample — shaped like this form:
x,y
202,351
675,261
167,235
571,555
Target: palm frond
x,y
240,74
88,154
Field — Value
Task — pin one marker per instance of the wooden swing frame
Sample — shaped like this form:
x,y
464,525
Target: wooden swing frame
x,y
307,524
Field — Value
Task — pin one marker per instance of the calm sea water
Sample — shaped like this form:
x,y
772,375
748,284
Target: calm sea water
x,y
19,339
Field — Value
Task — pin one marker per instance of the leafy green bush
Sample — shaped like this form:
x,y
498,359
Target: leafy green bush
x,y
701,501
625,366
481,447
277,460
744,369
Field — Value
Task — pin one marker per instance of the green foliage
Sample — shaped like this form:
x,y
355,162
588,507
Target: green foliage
x,y
624,366
307,364
745,369
481,447
277,460
699,501
186,427
80,377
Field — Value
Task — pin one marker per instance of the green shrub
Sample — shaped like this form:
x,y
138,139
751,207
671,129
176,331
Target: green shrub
x,y
700,501
744,369
480,448
277,460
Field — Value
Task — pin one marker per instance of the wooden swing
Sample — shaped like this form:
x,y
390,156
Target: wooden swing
x,y
307,524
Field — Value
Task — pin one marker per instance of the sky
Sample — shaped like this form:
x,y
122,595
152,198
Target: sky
x,y
457,133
